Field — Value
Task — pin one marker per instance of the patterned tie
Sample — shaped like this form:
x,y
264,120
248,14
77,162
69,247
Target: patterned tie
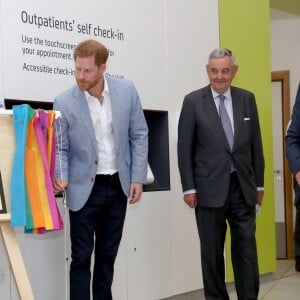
x,y
225,121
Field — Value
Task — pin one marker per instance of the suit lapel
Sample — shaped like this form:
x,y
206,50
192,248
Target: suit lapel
x,y
115,107
237,109
84,112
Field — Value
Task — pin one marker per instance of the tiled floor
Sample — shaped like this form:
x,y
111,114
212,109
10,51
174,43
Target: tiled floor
x,y
282,284
285,283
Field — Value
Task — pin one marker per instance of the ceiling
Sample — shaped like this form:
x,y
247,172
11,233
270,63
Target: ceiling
x,y
276,14
287,6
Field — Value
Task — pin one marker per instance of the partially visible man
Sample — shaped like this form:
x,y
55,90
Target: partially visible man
x,y
221,164
293,154
101,160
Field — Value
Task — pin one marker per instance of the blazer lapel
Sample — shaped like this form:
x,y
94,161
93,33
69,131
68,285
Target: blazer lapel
x,y
115,107
84,112
237,109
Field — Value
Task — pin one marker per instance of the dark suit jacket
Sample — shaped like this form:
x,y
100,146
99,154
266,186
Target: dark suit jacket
x,y
296,191
293,143
204,156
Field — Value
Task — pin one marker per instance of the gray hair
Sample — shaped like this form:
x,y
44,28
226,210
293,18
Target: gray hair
x,y
220,53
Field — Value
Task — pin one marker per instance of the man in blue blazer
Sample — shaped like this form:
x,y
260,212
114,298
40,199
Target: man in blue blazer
x,y
293,154
101,161
221,164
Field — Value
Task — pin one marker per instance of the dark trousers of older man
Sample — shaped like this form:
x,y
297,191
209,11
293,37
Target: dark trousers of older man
x,y
212,231
97,226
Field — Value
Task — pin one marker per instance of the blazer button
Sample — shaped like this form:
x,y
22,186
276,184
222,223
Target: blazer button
x,y
92,179
96,161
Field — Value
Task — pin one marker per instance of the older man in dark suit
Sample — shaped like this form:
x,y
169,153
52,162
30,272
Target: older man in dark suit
x,y
221,164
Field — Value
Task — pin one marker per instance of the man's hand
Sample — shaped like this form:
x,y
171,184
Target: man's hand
x,y
259,197
297,177
135,193
59,185
191,200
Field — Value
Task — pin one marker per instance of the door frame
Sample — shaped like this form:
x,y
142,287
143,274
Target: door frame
x,y
284,78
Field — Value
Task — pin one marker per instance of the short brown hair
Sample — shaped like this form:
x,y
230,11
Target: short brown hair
x,y
92,48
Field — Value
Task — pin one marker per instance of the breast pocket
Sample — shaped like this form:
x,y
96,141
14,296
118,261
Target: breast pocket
x,y
246,130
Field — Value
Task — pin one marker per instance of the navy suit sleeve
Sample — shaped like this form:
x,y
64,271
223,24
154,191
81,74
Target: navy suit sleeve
x,y
293,137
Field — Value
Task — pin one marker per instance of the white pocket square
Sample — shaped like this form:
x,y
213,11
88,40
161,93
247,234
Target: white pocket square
x,y
246,119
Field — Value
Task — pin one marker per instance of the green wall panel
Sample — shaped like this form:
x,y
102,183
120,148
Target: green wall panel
x,y
245,29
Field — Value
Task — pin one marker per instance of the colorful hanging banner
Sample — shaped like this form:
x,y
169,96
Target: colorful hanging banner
x,y
34,205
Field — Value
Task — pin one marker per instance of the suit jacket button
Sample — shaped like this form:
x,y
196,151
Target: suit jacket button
x,y
96,161
92,179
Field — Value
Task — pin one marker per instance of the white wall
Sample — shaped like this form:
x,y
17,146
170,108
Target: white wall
x,y
285,47
164,51
191,34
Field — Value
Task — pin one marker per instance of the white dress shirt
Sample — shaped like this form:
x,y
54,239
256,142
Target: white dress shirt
x,y
102,120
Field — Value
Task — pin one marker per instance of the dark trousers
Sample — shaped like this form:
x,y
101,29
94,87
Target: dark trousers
x,y
97,226
297,233
212,228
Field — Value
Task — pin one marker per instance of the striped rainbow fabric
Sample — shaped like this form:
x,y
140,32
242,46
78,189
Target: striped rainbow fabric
x,y
33,203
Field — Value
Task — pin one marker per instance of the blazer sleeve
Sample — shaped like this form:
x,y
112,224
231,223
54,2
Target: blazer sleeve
x,y
61,129
185,146
293,137
257,148
138,136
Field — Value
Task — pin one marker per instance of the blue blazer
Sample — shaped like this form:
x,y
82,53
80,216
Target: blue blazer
x,y
77,155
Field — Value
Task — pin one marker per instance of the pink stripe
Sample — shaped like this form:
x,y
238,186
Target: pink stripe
x,y
41,132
